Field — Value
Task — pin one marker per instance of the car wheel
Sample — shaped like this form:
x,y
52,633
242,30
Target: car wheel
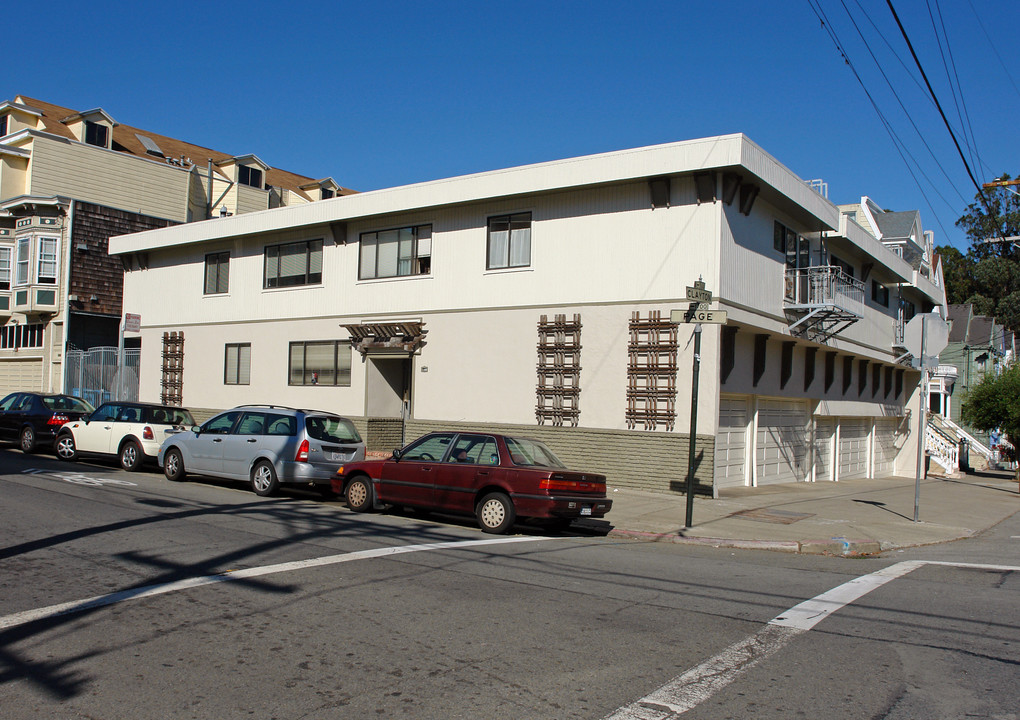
x,y
495,513
263,479
360,495
27,439
130,456
173,465
66,449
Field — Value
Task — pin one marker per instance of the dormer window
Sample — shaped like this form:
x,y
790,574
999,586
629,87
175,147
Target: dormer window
x,y
249,176
327,193
96,134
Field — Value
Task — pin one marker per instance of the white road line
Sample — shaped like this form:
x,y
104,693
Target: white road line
x,y
67,608
700,683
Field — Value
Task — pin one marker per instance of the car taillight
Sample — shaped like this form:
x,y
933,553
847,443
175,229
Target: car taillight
x,y
147,433
302,453
559,485
56,419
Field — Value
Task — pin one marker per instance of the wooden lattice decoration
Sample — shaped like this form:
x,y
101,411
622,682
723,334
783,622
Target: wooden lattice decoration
x,y
559,370
172,382
651,372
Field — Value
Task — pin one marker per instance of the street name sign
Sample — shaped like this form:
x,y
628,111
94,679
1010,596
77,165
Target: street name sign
x,y
699,294
715,317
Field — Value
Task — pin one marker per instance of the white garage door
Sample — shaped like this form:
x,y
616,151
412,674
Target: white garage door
x,y
781,447
731,442
853,447
887,445
21,375
825,431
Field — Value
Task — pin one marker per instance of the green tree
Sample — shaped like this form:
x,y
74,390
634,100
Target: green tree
x,y
982,305
1004,219
1008,311
958,272
995,403
997,277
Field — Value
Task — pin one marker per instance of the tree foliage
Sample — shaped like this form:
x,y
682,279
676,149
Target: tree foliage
x,y
995,403
958,272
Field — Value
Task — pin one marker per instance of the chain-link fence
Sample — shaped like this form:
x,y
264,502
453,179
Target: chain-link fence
x,y
93,374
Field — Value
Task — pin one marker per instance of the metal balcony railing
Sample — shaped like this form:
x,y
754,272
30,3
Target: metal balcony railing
x,y
825,285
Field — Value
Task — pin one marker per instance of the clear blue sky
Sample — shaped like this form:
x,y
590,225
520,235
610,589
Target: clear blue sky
x,y
381,93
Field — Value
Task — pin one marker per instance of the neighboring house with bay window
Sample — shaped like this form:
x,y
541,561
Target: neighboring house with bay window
x,y
537,300
68,181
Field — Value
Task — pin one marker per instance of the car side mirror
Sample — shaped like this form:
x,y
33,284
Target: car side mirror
x,y
396,455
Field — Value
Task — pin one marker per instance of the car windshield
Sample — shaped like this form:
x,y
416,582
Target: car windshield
x,y
67,403
524,451
331,429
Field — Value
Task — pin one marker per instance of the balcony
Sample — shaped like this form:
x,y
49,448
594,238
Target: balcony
x,y
824,301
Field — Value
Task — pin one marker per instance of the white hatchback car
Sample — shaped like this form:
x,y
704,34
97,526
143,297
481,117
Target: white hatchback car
x,y
130,431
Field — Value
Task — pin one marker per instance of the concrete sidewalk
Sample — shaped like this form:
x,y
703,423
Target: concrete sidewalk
x,y
852,517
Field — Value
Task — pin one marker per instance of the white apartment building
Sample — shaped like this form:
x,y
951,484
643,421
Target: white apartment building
x,y
537,299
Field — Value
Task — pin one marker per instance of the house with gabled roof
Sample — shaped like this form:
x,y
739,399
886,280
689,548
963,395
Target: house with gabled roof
x,y
70,179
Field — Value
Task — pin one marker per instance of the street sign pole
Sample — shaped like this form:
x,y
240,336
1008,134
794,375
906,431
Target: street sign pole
x,y
922,425
694,427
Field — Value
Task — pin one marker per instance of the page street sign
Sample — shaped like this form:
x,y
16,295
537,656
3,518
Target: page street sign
x,y
714,317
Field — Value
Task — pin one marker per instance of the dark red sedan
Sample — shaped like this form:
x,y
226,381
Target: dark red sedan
x,y
495,477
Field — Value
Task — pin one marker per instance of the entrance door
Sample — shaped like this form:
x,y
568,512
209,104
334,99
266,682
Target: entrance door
x,y
388,396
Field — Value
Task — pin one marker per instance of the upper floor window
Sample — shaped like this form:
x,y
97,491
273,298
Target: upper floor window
x,y
842,265
46,267
296,263
879,293
327,193
216,267
509,243
96,134
249,176
3,125
5,267
392,253
24,261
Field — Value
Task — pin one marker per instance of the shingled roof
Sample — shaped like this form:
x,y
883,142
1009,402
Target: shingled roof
x,y
126,140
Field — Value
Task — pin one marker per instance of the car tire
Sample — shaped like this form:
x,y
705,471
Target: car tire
x,y
173,465
65,447
130,456
263,479
495,513
27,439
360,494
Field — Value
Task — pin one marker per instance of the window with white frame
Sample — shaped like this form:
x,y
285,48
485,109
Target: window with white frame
x,y
237,364
5,267
394,253
24,261
21,336
509,243
46,265
216,273
290,264
96,134
320,363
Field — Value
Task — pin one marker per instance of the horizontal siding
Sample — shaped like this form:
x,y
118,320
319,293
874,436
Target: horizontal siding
x,y
108,178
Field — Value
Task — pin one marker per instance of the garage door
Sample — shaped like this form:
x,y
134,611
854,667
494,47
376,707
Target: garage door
x,y
781,444
887,445
825,431
731,442
20,375
853,447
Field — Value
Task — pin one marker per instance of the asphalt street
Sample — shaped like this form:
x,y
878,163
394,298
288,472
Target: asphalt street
x,y
123,595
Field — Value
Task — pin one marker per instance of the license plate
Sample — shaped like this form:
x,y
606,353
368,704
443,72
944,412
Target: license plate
x,y
586,510
340,457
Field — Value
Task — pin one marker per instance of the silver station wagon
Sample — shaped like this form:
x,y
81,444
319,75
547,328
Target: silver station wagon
x,y
265,445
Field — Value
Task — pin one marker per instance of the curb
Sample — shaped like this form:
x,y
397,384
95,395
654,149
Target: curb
x,y
832,546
